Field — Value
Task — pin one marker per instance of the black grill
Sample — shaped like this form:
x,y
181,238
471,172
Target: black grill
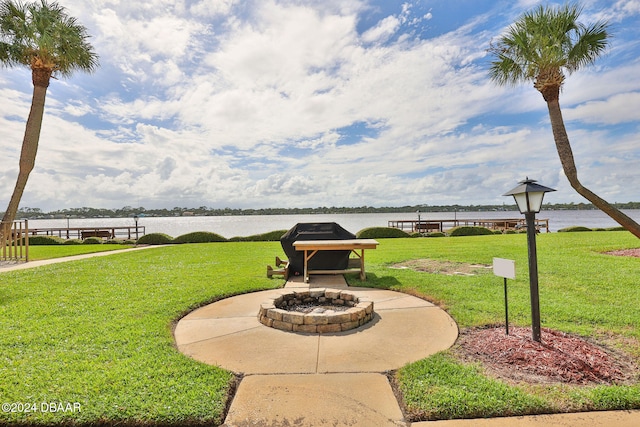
x,y
323,260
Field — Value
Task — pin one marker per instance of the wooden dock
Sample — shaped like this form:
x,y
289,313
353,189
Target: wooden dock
x,y
435,225
134,232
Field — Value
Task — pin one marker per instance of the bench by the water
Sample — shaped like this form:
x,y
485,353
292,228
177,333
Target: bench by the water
x,y
312,247
430,225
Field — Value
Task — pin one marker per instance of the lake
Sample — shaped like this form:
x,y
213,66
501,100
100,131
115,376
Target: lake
x,y
231,226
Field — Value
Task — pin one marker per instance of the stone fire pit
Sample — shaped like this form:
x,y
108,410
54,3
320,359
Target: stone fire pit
x,y
316,311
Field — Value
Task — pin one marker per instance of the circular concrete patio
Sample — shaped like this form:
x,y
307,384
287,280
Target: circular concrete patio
x,y
227,333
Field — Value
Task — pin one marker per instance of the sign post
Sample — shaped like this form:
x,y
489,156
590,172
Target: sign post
x,y
505,268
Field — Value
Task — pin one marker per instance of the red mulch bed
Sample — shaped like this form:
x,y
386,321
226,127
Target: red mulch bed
x,y
558,358
626,252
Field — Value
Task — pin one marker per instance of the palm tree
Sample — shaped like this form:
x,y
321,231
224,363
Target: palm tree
x,y
42,37
541,46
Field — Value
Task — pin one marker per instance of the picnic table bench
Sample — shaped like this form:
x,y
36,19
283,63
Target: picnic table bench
x,y
356,246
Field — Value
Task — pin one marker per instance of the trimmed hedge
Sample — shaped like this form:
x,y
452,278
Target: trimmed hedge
x,y
381,233
92,241
155,239
46,240
469,231
436,234
199,237
271,236
573,229
73,242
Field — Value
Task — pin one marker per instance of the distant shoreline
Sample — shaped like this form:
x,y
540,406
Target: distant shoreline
x,y
128,211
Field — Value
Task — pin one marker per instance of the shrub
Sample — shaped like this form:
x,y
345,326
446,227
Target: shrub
x,y
73,242
45,240
573,229
271,236
380,233
92,241
199,237
155,239
469,231
619,228
436,234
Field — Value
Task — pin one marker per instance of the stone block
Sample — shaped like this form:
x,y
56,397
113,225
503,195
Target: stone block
x,y
266,321
312,329
316,319
276,314
293,317
349,325
323,329
340,318
278,324
332,293
316,292
347,296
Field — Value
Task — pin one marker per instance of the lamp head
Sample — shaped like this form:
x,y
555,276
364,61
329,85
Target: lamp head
x,y
528,195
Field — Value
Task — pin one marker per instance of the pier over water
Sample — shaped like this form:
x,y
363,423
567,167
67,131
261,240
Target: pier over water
x,y
440,225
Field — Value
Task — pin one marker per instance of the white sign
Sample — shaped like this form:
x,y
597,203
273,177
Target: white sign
x,y
504,268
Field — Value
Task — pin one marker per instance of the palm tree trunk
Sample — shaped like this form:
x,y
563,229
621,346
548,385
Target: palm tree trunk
x,y
29,150
568,165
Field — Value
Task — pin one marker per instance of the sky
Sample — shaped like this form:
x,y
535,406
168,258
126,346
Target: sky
x,y
306,103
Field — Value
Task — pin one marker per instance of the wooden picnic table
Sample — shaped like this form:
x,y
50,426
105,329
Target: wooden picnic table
x,y
311,247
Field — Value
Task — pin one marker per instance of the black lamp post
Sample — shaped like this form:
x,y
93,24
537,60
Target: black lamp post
x,y
528,196
135,218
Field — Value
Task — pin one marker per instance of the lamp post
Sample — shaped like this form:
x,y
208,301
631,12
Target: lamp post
x,y
418,224
135,218
528,196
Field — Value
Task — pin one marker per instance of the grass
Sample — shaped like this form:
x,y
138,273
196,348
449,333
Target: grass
x,y
58,251
582,291
98,332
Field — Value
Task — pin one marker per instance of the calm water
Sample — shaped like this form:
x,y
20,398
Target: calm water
x,y
231,226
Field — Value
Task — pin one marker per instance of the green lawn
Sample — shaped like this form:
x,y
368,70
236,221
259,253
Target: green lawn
x,y
57,251
98,333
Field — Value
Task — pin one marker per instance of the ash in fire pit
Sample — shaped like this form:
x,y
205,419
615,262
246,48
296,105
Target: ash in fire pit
x,y
316,311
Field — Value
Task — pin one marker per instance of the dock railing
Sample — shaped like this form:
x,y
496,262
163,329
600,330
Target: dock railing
x,y
131,233
14,241
431,225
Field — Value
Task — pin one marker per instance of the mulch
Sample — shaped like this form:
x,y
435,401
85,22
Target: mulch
x,y
626,252
558,358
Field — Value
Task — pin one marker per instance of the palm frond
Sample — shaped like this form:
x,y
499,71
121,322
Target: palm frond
x,y
544,41
44,34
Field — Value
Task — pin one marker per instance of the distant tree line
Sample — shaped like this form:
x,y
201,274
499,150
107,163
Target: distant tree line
x,y
129,211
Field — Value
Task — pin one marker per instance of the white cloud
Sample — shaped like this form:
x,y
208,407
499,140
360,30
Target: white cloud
x,y
381,32
617,109
228,103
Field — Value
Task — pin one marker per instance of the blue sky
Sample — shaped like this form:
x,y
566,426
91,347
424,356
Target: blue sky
x,y
301,103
